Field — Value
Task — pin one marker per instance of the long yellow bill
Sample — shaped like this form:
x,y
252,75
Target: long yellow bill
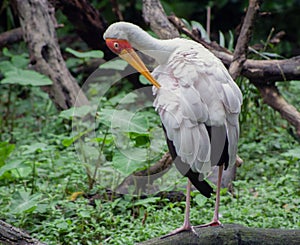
x,y
134,60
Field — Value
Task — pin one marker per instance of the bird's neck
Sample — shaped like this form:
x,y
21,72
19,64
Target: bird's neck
x,y
160,50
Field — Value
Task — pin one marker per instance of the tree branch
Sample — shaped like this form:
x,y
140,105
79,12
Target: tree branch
x,y
240,51
10,37
273,98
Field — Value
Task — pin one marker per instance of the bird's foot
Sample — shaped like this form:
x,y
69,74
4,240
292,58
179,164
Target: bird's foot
x,y
212,223
187,227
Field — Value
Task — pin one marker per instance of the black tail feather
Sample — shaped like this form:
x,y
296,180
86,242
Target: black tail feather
x,y
201,185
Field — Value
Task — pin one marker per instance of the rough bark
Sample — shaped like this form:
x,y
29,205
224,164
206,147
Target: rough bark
x,y
155,15
45,56
11,236
231,234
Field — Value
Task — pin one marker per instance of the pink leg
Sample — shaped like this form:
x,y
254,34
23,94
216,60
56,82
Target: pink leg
x,y
215,221
186,224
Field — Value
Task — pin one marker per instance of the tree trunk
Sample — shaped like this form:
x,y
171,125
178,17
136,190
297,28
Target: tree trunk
x,y
45,56
230,234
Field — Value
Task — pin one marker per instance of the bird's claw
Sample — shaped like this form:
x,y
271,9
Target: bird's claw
x,y
180,229
212,223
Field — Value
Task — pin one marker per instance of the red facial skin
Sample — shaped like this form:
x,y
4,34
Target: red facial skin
x,y
117,45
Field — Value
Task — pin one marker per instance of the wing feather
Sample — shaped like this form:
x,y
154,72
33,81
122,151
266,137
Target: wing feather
x,y
197,91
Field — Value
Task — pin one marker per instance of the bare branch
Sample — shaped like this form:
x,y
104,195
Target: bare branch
x,y
240,52
10,37
273,98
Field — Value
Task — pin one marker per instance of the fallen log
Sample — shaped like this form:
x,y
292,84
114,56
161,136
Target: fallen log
x,y
230,234
12,235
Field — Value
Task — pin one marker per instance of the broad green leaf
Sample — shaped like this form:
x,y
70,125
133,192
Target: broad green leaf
x,y
26,77
130,160
19,61
39,146
123,98
89,54
105,116
128,121
24,202
5,150
116,64
6,66
146,201
79,112
11,165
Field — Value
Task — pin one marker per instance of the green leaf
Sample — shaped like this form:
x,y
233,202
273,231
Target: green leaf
x,y
186,23
231,41
143,80
79,112
116,64
293,153
19,61
130,160
5,150
6,66
7,53
196,25
121,98
89,54
128,121
25,77
35,147
221,39
11,165
145,202
24,202
125,121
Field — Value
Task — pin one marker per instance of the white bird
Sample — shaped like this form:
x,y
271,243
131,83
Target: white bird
x,y
197,100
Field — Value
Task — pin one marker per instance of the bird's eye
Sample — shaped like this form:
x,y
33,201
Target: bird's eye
x,y
116,45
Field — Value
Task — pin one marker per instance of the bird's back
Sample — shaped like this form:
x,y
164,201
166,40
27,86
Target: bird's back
x,y
199,104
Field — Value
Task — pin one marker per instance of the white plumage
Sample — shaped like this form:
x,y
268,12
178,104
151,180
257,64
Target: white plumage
x,y
196,90
197,100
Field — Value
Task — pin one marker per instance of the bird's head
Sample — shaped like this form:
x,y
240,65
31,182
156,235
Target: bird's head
x,y
117,40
